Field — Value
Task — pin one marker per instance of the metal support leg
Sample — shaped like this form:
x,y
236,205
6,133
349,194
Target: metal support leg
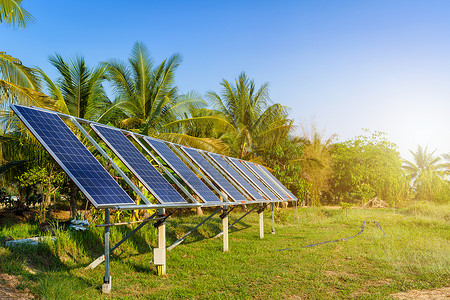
x,y
101,259
106,287
261,223
160,252
225,228
273,219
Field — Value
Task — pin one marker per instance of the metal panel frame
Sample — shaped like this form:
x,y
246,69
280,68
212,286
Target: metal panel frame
x,y
148,139
211,156
125,162
240,168
269,183
213,179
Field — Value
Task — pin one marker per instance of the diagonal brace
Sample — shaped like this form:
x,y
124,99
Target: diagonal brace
x,y
101,258
180,240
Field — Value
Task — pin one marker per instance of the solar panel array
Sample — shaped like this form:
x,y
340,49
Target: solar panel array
x,y
182,170
81,166
270,175
263,177
236,176
209,170
237,163
138,164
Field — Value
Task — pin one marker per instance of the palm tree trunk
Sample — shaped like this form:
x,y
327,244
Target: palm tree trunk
x,y
73,199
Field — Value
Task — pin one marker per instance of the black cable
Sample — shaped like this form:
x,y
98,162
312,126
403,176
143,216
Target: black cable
x,y
338,240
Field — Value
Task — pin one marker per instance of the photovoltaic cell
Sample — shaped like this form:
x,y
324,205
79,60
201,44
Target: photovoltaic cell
x,y
277,181
182,170
262,175
163,191
236,176
237,163
209,169
81,166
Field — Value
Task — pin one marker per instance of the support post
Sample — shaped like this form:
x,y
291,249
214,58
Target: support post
x,y
261,222
273,219
106,287
225,228
159,254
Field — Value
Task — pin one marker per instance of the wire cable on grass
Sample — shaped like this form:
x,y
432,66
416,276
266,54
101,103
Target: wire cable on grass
x,y
338,240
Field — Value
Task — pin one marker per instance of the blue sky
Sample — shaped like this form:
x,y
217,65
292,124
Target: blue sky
x,y
346,65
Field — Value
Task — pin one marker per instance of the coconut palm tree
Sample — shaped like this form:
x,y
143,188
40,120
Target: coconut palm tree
x,y
255,124
13,14
426,172
148,97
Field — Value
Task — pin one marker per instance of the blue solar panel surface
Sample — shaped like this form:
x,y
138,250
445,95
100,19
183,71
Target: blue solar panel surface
x,y
239,179
209,169
139,165
267,180
182,170
278,182
252,177
81,166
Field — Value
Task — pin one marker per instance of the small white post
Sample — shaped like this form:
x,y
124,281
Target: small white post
x,y
160,252
225,228
106,287
261,222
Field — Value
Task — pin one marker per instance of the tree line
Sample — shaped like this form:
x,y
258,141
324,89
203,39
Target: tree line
x,y
239,120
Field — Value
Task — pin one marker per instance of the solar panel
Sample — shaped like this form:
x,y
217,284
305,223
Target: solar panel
x,y
237,163
68,151
209,170
176,164
236,176
261,175
163,191
277,182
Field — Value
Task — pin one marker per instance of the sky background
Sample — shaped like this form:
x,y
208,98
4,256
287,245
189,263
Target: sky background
x,y
345,65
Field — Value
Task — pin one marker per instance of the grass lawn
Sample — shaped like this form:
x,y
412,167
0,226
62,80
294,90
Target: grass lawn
x,y
415,254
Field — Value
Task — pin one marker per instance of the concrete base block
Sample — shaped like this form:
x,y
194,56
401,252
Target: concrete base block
x,y
106,287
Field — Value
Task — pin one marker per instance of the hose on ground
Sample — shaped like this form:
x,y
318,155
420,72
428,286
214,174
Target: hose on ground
x,y
337,240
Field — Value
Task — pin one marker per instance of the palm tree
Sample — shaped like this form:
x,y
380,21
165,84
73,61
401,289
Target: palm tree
x,y
18,149
148,97
255,125
13,14
316,162
425,172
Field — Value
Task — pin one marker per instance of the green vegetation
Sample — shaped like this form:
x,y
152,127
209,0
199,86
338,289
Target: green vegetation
x,y
413,255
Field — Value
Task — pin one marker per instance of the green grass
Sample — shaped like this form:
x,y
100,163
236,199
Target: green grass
x,y
415,254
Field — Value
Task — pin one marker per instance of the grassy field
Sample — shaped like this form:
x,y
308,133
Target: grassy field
x,y
415,254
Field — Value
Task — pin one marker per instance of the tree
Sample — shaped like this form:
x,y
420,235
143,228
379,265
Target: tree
x,y
255,126
427,173
147,96
283,160
316,162
368,166
19,150
48,179
13,14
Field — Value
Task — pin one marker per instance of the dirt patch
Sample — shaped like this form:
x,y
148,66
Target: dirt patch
x,y
329,273
9,288
442,293
364,290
